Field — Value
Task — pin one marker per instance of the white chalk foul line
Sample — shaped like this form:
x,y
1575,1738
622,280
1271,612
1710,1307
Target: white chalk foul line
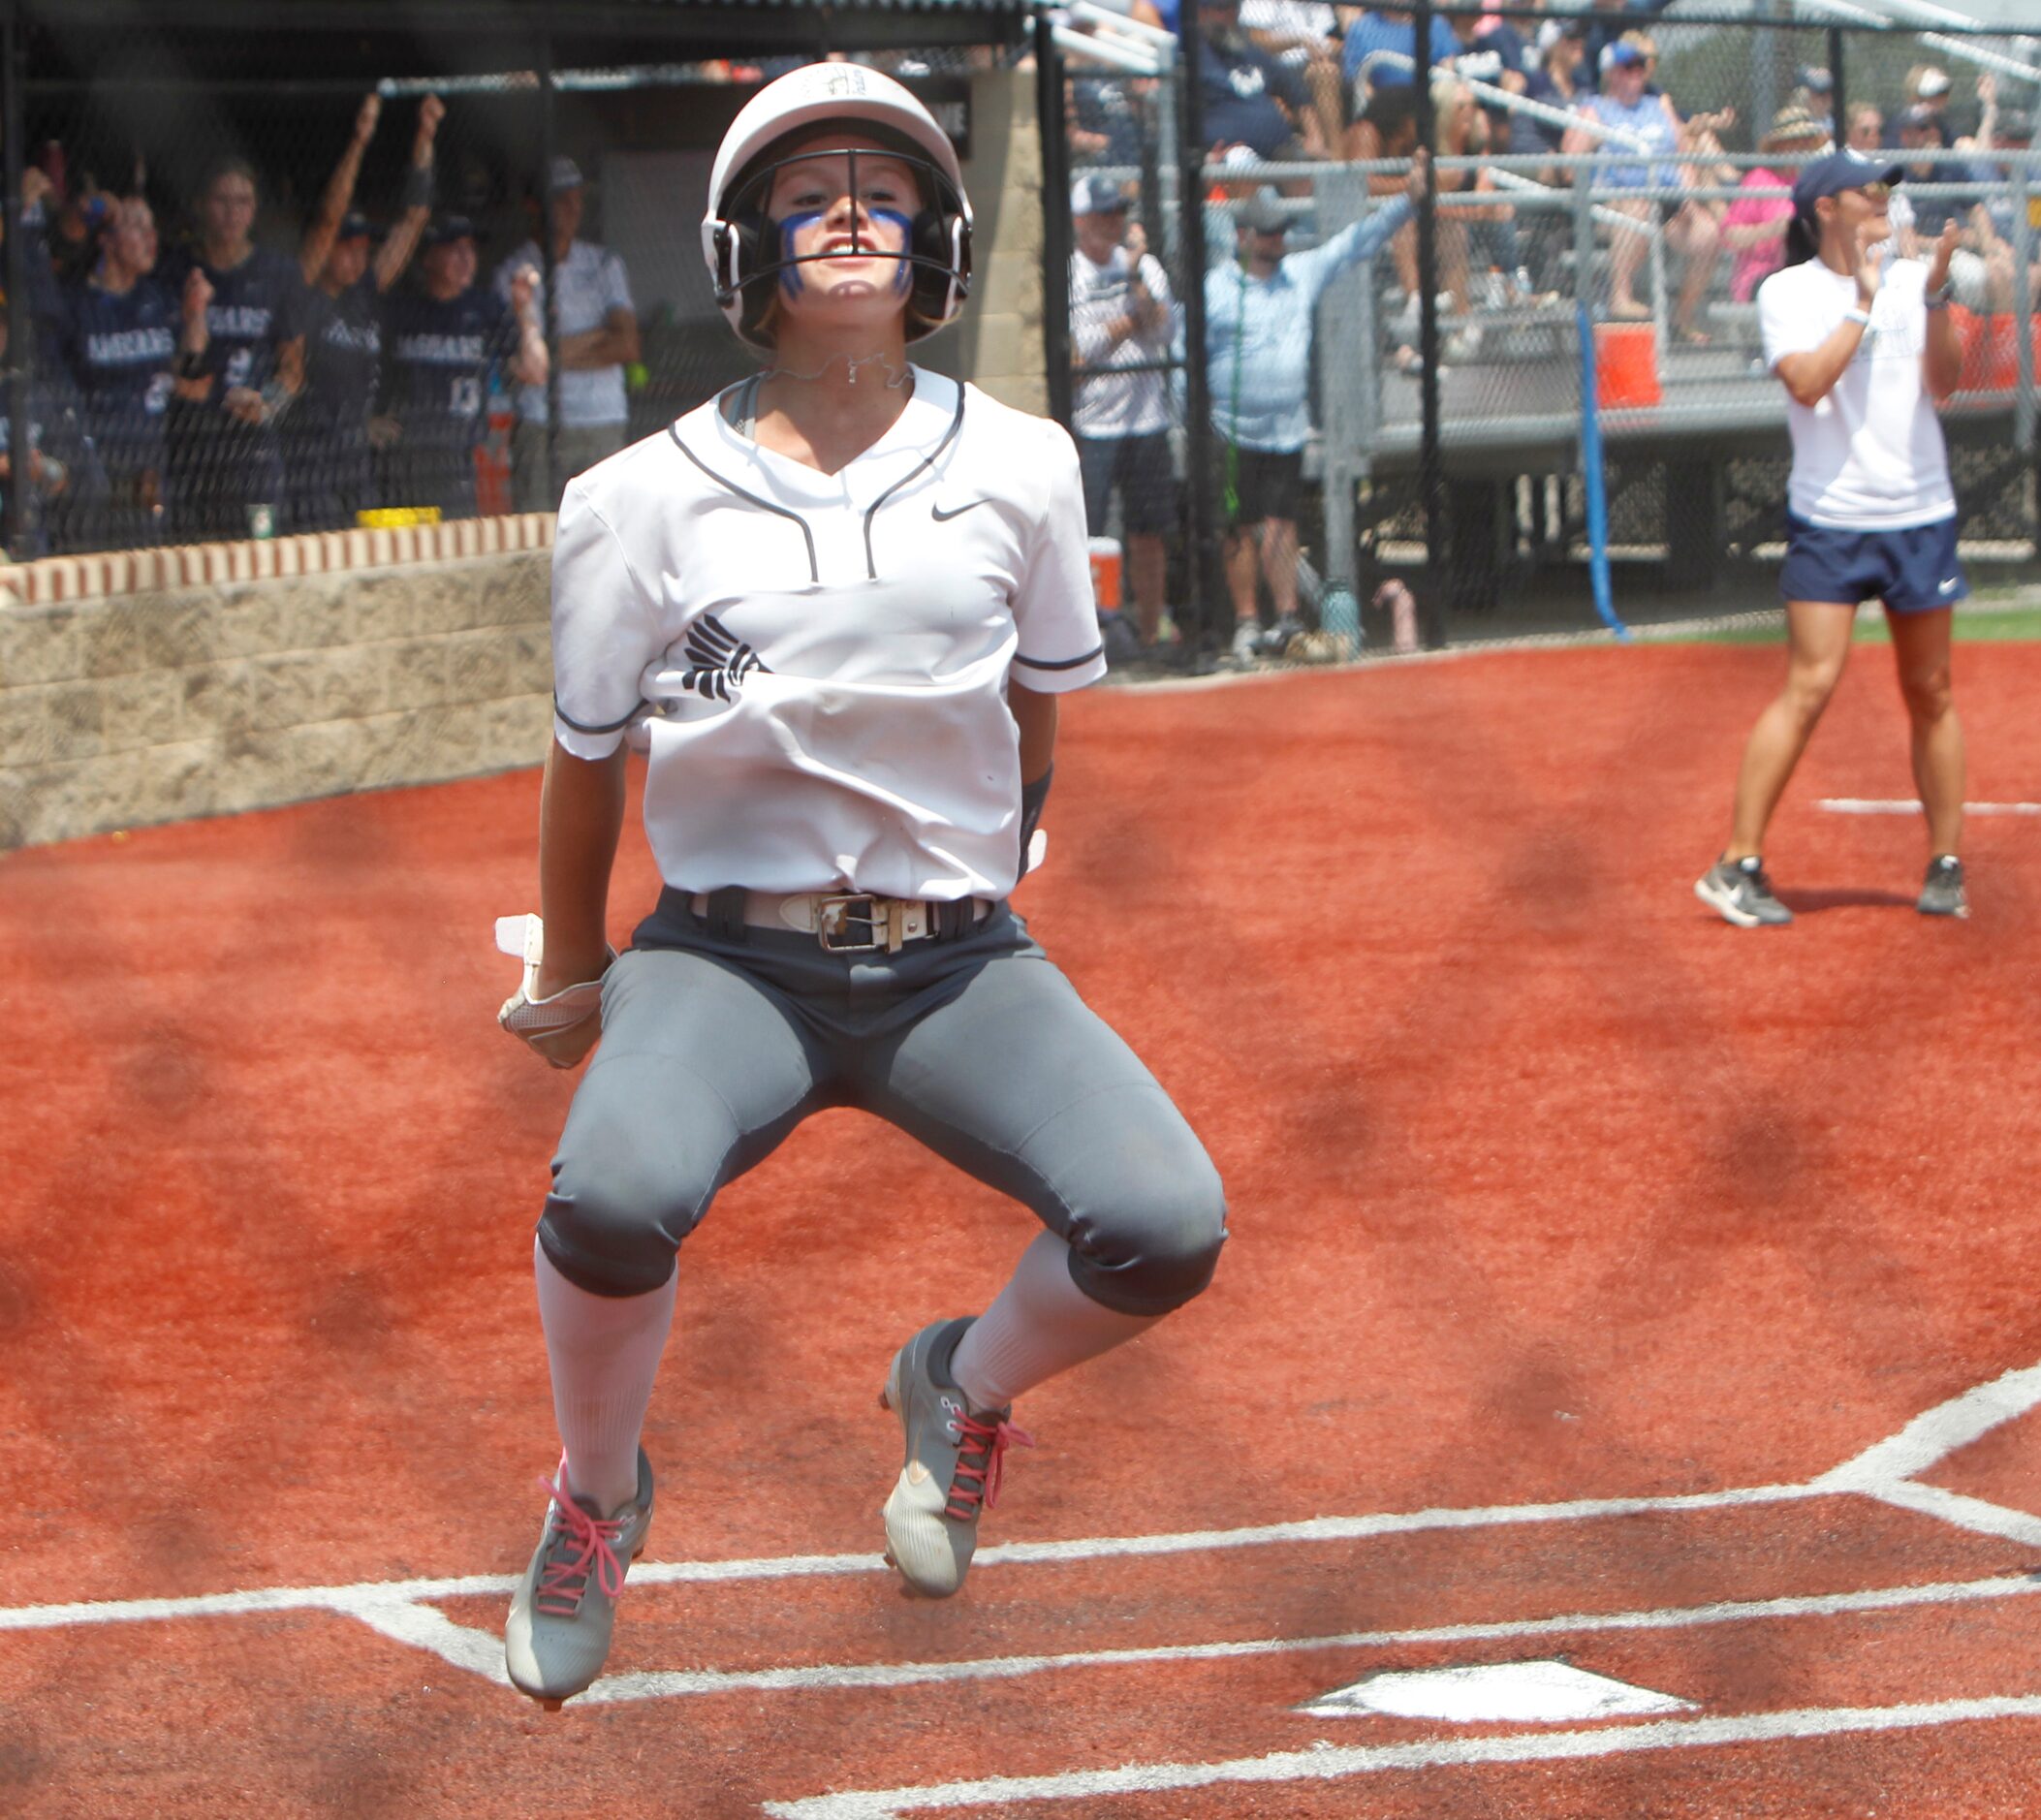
x,y
1335,1764
1933,1434
669,1684
1906,806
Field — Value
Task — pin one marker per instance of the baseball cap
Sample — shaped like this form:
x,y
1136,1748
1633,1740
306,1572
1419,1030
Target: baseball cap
x,y
1919,119
1552,30
566,174
1622,56
1933,83
1262,213
446,229
2012,123
1846,169
355,225
1096,195
1816,81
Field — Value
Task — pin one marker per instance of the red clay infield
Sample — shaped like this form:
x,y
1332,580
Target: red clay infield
x,y
1546,1188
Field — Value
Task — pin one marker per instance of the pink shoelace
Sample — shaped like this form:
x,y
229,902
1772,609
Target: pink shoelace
x,y
564,1581
978,1465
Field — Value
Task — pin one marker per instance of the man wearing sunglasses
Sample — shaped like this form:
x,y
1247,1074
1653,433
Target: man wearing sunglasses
x,y
1866,350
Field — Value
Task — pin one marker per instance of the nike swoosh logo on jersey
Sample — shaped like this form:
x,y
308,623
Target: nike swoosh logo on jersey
x,y
943,518
1946,587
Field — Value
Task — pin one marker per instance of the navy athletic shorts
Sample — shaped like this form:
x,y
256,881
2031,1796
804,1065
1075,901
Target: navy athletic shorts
x,y
1914,571
1139,466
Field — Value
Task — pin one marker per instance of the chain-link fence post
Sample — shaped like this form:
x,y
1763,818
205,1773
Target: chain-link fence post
x,y
1055,220
1200,531
1432,480
20,350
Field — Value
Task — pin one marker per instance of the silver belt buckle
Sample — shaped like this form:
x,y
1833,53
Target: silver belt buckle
x,y
838,921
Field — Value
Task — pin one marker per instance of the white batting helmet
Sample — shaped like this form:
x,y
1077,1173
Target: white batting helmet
x,y
740,243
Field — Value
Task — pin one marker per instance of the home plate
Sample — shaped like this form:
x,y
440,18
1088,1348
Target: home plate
x,y
1527,1693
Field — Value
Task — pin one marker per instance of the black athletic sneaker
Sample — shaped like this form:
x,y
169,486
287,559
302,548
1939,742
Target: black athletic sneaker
x,y
1738,892
1942,895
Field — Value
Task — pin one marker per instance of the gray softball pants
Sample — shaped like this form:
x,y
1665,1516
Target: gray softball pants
x,y
714,1050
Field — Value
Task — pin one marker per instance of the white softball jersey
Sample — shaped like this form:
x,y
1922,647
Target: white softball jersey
x,y
1869,455
818,663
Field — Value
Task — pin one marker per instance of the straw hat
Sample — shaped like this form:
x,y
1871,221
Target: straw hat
x,y
1790,126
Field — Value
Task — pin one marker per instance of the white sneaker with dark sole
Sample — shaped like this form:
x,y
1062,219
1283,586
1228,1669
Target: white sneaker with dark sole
x,y
952,1471
564,1610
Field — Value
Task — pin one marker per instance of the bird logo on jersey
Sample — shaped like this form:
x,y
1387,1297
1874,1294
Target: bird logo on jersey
x,y
718,661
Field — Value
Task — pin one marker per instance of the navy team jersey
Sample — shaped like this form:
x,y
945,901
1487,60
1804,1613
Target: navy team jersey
x,y
256,307
437,358
120,347
343,356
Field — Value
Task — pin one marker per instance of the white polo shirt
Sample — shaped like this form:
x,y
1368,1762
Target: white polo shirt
x,y
1869,456
819,662
592,284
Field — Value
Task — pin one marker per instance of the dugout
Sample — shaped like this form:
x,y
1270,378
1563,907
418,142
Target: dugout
x,y
637,91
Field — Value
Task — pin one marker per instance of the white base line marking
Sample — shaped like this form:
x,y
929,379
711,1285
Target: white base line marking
x,y
667,1685
1933,1434
1906,806
386,1594
1299,1766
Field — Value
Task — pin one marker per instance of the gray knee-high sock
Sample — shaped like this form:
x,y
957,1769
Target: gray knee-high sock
x,y
1040,1324
604,1350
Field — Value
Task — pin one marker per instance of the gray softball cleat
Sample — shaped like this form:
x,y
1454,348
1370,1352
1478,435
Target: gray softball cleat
x,y
1942,893
565,1606
1738,892
952,1471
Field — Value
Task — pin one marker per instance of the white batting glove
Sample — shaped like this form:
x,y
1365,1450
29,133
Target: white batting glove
x,y
525,1014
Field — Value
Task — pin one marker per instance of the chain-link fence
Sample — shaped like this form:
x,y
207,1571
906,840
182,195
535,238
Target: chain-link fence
x,y
251,308
1609,189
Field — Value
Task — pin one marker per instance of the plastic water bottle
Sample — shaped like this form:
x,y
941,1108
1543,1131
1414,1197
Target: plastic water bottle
x,y
1339,616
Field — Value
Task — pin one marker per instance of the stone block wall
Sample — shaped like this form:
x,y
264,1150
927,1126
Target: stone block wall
x,y
135,690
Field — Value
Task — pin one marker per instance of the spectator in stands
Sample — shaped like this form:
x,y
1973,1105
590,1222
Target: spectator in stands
x,y
441,339
1864,131
57,459
595,326
1920,144
1755,227
1122,314
1554,83
48,311
1488,50
1388,129
1393,30
1250,98
1259,315
1927,88
120,342
239,372
1987,278
1488,230
327,455
1648,122
1814,95
1300,33
1104,114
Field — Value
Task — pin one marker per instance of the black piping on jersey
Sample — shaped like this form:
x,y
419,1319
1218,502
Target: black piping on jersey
x,y
1061,663
764,505
928,462
610,726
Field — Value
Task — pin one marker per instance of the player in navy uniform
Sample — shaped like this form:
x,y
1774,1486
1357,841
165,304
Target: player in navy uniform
x,y
326,450
839,603
440,340
239,373
120,340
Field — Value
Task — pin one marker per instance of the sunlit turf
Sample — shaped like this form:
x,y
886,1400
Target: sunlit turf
x,y
1975,625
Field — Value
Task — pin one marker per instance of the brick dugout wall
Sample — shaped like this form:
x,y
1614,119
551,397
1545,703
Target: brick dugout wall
x,y
151,686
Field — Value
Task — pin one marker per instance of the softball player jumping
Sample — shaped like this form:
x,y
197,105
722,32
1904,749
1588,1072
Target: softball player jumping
x,y
837,605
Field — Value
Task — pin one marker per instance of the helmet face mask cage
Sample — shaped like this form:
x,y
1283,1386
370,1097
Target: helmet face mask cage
x,y
752,252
